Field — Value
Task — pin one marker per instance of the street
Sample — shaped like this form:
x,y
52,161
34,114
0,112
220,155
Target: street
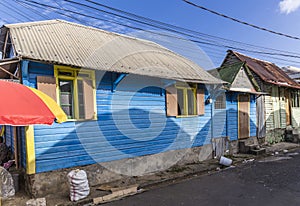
x,y
270,181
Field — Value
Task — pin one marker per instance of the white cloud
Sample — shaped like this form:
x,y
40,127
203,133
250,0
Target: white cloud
x,y
288,6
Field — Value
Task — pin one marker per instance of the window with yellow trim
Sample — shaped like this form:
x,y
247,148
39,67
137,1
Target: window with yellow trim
x,y
75,92
184,99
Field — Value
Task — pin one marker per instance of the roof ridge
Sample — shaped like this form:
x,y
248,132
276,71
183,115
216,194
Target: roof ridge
x,y
32,23
235,52
113,33
52,21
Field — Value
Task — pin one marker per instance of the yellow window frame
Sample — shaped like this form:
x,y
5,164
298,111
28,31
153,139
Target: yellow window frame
x,y
75,76
185,88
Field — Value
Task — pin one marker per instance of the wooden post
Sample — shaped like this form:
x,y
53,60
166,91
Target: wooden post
x,y
5,45
7,72
30,150
16,147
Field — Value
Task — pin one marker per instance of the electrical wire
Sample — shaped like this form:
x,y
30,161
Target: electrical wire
x,y
4,12
18,12
171,30
32,9
181,28
203,42
241,22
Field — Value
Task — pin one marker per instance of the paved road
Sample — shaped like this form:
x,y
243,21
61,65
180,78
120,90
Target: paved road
x,y
274,183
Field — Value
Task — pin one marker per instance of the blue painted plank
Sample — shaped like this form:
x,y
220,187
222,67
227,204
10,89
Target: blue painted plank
x,y
58,146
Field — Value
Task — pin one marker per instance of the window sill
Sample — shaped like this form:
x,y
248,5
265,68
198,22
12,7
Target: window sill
x,y
187,116
82,120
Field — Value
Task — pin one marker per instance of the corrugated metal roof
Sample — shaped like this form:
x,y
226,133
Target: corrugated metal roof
x,y
267,71
67,43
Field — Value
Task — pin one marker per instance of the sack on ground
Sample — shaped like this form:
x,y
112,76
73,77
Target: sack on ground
x,y
6,184
78,183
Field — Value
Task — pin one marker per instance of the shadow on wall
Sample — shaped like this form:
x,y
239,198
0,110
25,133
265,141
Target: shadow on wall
x,y
108,139
105,140
131,123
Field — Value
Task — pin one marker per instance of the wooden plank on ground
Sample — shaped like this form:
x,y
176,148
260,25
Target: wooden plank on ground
x,y
129,190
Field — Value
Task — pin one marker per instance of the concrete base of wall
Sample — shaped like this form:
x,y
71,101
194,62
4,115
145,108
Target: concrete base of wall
x,y
42,184
233,147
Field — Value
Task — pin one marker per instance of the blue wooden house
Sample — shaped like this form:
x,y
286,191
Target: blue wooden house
x,y
239,101
129,102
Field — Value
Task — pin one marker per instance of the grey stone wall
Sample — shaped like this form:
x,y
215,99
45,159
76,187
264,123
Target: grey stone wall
x,y
275,136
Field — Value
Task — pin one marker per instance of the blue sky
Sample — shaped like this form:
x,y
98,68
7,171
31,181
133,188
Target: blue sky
x,y
278,15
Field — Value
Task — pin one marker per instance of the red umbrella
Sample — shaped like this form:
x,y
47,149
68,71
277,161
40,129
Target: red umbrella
x,y
22,105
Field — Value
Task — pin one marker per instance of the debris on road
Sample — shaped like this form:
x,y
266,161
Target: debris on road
x,y
249,160
36,202
225,161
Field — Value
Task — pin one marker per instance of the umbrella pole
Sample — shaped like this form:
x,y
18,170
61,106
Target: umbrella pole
x,y
16,147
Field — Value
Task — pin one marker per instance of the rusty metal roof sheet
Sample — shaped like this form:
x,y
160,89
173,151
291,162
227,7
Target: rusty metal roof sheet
x,y
267,71
67,43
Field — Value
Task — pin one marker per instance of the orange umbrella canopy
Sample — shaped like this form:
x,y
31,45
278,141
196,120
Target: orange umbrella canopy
x,y
21,105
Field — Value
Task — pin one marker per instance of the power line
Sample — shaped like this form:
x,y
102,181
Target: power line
x,y
171,30
241,22
181,28
86,23
34,3
10,16
31,9
18,12
201,42
137,28
230,47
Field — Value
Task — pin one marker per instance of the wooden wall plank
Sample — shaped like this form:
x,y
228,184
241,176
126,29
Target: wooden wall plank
x,y
232,116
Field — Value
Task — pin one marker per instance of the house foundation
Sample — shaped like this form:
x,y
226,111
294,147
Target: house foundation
x,y
42,184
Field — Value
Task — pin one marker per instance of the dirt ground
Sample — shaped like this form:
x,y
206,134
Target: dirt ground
x,y
170,176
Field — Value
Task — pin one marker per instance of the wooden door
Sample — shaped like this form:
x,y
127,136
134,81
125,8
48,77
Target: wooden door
x,y
287,107
243,116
